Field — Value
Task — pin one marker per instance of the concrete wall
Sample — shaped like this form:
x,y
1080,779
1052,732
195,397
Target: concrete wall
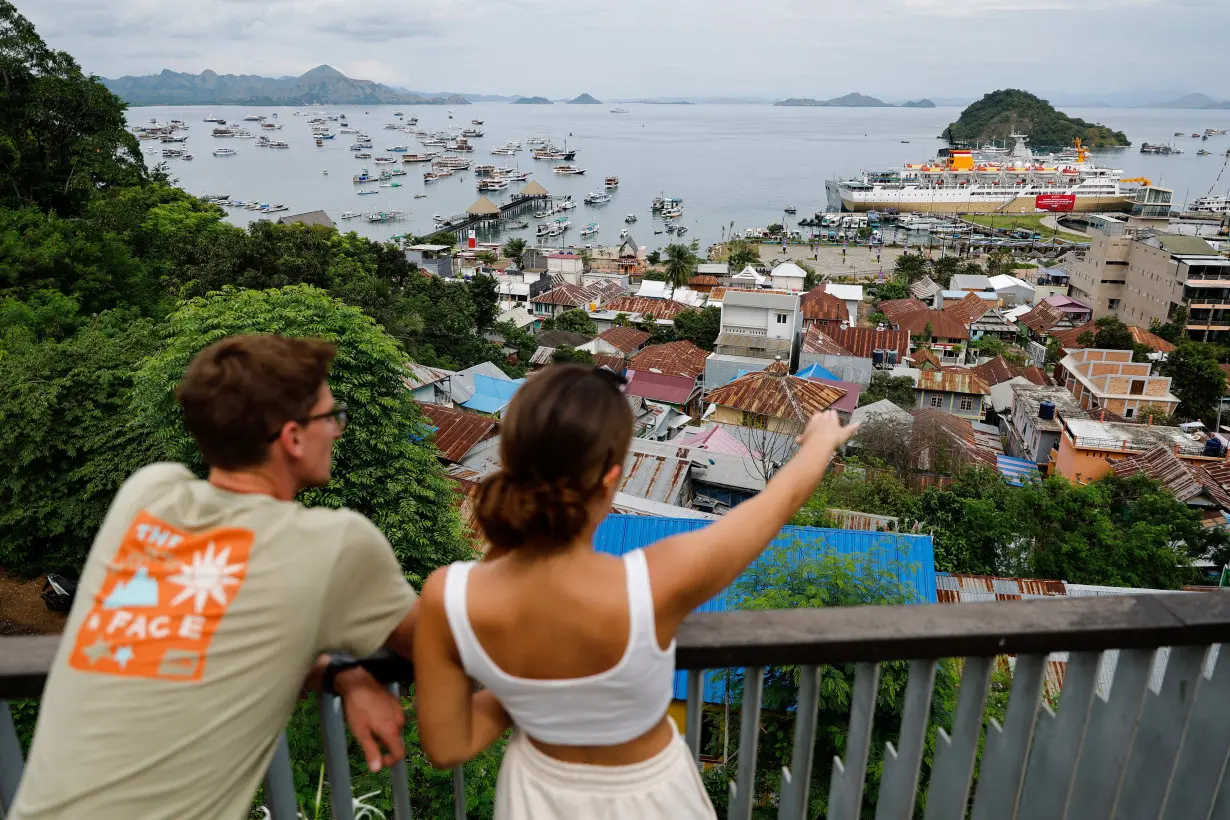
x,y
1099,277
847,368
1154,283
736,317
720,370
950,403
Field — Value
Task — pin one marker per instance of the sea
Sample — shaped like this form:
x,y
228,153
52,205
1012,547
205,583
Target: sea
x,y
735,166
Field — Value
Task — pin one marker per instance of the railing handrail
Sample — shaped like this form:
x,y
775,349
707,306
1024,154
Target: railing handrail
x,y
757,638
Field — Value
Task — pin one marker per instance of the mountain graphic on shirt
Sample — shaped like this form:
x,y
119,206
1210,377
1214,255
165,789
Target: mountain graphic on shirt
x,y
140,591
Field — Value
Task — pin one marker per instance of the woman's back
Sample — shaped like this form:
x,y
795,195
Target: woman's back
x,y
569,644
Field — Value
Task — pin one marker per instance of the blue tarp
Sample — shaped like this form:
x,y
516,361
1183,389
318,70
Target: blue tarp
x,y
910,557
491,395
1016,471
815,371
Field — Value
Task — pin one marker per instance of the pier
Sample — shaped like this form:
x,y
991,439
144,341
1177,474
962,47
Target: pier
x,y
484,213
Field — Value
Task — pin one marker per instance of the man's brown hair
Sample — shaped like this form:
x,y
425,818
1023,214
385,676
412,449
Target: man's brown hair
x,y
238,392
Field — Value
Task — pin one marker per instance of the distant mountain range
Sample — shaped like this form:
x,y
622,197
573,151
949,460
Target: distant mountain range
x,y
584,99
1201,101
322,85
531,101
854,100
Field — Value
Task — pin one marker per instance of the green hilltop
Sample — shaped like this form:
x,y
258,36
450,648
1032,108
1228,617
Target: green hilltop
x,y
1002,112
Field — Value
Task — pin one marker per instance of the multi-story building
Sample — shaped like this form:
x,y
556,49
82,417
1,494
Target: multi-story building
x,y
1110,380
1141,275
759,324
1089,449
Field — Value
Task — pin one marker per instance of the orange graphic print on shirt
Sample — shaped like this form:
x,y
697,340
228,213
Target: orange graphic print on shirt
x,y
164,594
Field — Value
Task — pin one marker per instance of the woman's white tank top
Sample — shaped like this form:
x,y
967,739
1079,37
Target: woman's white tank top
x,y
605,709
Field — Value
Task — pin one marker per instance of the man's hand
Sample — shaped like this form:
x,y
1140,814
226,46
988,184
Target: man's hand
x,y
375,717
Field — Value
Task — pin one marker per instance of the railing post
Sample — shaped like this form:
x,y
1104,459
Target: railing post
x,y
744,793
899,781
695,715
1007,747
846,789
796,780
953,770
280,783
1199,771
11,765
459,793
399,776
337,764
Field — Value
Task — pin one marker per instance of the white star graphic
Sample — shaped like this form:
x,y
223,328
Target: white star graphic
x,y
206,577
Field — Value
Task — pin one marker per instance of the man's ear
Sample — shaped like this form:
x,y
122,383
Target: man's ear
x,y
611,478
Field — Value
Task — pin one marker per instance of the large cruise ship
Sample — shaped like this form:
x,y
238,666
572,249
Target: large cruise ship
x,y
977,182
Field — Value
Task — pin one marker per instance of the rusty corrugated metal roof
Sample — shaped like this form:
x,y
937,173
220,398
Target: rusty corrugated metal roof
x,y
944,325
864,341
951,381
656,477
776,395
672,359
1042,318
895,309
969,309
457,431
819,305
822,344
624,339
1185,481
659,308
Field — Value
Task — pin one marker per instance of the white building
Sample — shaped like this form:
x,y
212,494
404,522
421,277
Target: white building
x,y
850,294
747,278
788,276
761,325
1011,290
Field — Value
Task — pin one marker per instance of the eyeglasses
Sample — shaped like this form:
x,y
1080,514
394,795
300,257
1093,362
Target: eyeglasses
x,y
339,414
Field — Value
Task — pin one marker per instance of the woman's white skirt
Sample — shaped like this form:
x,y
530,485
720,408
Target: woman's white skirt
x,y
534,786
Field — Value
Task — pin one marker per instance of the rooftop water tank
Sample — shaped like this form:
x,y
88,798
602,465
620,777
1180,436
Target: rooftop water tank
x,y
1046,410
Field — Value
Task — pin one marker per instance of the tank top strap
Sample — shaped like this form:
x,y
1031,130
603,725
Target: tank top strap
x,y
640,599
456,582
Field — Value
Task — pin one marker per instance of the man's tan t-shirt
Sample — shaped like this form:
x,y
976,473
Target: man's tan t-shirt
x,y
198,615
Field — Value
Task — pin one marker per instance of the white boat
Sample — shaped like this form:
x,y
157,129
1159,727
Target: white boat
x,y
568,170
623,234
367,192
542,230
566,204
590,230
619,111
384,160
223,152
672,213
597,199
278,144
630,218
1211,205
275,208
969,181
399,149
612,182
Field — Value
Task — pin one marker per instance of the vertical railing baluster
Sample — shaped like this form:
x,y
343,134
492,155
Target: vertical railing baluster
x,y
846,786
1109,736
399,776
280,783
1163,724
1057,740
796,780
899,781
953,770
459,792
11,765
1202,758
1007,747
337,764
696,706
744,792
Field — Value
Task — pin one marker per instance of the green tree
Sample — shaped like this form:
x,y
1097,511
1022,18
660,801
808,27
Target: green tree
x,y
654,257
1112,334
487,257
654,276
576,321
680,266
485,294
944,268
514,248
67,441
892,289
1173,329
897,389
379,469
700,327
740,253
910,265
971,521
566,354
521,341
1196,379
62,134
1000,262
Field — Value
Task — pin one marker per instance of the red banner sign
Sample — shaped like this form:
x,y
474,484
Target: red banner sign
x,y
1055,202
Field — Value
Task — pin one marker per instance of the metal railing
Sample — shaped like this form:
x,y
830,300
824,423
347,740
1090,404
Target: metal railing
x,y
1154,744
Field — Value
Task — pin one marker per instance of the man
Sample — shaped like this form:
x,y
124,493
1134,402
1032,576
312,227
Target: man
x,y
204,605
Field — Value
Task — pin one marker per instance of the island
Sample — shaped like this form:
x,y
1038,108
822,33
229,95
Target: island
x,y
584,99
1010,110
1196,101
531,101
854,100
923,103
323,85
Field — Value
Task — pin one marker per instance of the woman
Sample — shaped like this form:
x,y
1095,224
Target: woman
x,y
574,647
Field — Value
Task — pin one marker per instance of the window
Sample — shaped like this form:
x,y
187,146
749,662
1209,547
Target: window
x,y
937,401
967,403
1137,388
783,318
1131,411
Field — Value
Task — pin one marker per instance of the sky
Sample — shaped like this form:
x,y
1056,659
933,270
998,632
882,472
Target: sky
x,y
893,49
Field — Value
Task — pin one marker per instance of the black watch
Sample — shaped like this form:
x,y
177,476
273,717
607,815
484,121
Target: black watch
x,y
337,665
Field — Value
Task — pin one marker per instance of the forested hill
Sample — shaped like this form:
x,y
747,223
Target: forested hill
x,y
323,85
1000,113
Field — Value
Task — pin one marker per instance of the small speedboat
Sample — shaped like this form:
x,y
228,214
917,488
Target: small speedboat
x,y
365,193
630,218
420,196
351,215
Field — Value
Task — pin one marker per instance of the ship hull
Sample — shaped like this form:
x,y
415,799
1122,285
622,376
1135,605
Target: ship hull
x,y
1020,205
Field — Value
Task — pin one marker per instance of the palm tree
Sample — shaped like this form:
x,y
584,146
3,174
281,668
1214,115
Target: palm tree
x,y
680,265
514,248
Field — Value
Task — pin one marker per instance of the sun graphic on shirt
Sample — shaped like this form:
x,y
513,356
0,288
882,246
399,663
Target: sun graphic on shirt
x,y
208,576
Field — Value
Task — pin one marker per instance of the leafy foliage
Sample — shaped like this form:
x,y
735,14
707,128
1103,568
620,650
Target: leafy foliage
x,y
911,265
1002,112
740,253
898,389
576,321
680,266
1196,379
514,248
379,470
700,327
565,354
892,289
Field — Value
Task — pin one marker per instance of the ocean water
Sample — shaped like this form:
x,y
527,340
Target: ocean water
x,y
740,164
